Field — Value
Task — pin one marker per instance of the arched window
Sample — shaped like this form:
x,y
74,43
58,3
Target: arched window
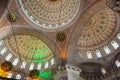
x,y
103,70
89,55
118,36
31,66
98,53
23,64
117,63
9,75
15,62
39,66
52,61
115,44
3,51
1,43
31,17
46,65
18,76
107,50
9,56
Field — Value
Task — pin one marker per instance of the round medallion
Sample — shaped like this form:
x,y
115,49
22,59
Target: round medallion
x,y
50,13
61,36
13,16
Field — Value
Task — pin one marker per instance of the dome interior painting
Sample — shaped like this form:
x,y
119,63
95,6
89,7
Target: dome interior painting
x,y
50,14
99,28
29,47
60,39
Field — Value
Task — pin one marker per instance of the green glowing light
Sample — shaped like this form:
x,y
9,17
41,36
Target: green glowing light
x,y
39,53
45,74
31,48
38,61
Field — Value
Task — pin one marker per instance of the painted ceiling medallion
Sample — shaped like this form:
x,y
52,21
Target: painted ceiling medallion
x,y
61,36
50,14
13,16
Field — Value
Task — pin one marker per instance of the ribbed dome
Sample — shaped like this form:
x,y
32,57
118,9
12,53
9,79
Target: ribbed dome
x,y
50,13
30,47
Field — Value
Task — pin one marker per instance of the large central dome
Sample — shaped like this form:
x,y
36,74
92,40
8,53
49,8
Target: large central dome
x,y
50,13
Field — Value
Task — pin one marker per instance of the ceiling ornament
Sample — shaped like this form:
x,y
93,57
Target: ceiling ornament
x,y
50,14
61,36
13,16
